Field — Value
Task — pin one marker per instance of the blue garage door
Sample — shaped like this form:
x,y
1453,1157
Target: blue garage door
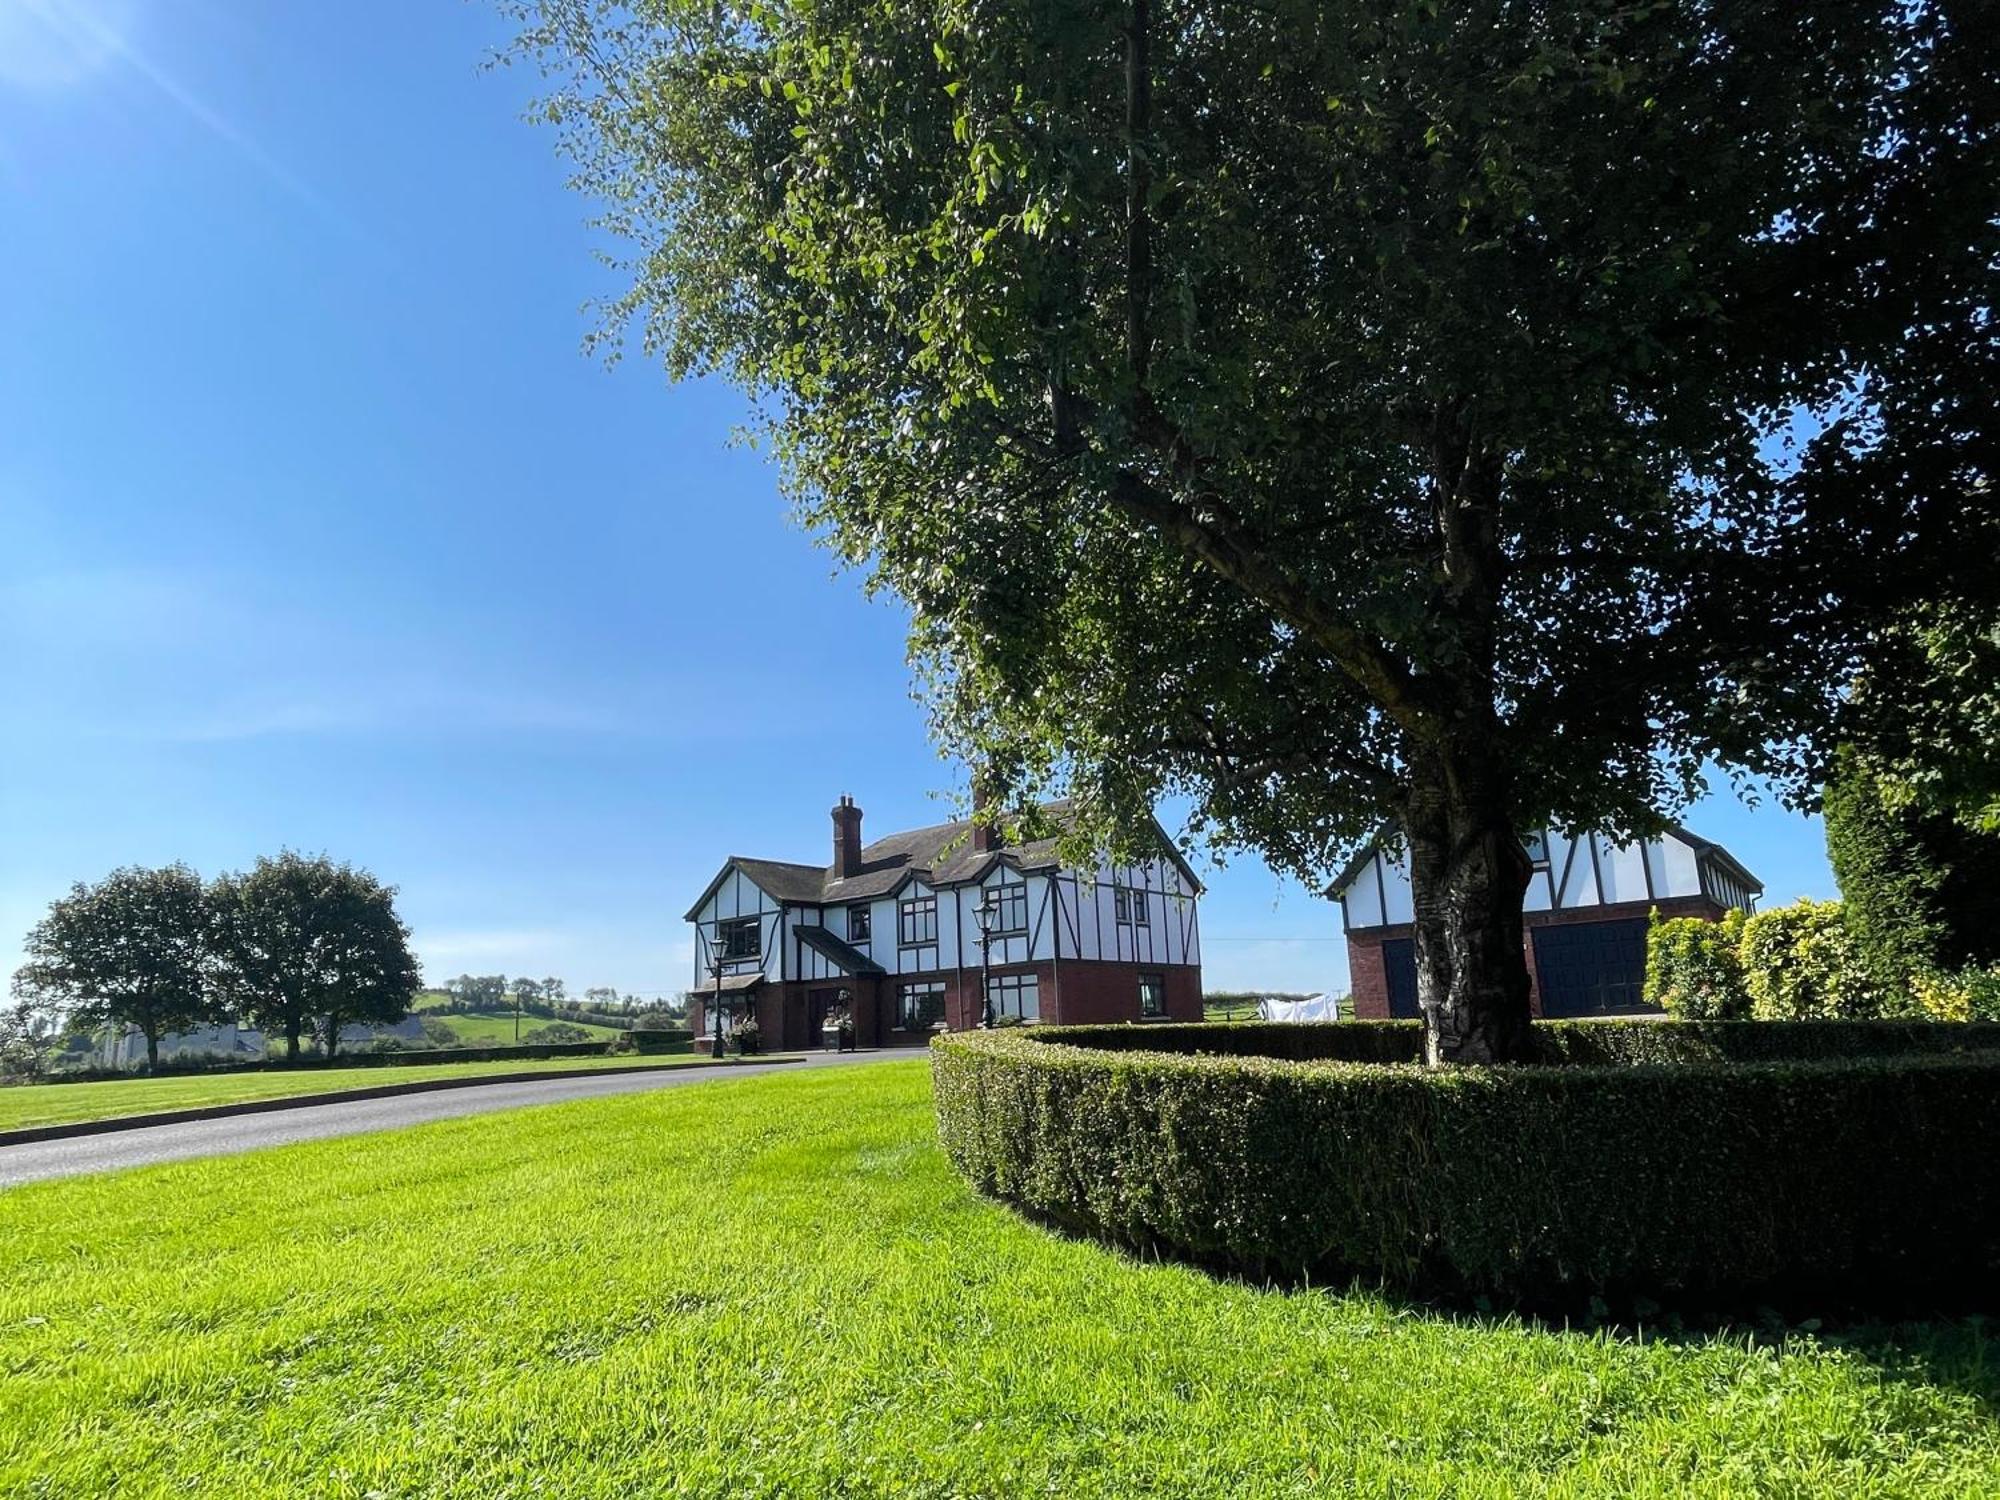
x,y
1592,968
1399,962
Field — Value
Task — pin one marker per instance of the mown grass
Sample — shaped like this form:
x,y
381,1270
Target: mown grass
x,y
776,1287
61,1103
492,1027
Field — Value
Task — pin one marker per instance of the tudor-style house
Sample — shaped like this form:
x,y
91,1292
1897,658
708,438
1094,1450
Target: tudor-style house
x,y
897,934
1585,917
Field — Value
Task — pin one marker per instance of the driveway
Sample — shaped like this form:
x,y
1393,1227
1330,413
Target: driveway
x,y
147,1145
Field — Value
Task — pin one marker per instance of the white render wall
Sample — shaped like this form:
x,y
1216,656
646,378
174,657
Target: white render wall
x,y
1585,871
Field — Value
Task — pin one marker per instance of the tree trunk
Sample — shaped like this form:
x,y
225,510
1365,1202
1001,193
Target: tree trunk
x,y
291,1039
152,1049
1468,876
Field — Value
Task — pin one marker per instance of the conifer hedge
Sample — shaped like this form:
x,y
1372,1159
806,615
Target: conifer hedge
x,y
1654,1158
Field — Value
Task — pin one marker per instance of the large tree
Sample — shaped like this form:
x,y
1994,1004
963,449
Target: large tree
x,y
305,942
131,950
1444,415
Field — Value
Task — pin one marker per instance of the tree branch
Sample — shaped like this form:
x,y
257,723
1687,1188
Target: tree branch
x,y
1232,553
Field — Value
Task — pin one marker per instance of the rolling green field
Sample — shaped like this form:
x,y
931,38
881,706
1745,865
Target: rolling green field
x,y
776,1287
61,1103
490,1027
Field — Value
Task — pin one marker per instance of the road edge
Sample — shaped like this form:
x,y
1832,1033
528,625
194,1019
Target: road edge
x,y
28,1135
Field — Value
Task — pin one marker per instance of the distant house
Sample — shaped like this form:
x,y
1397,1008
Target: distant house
x,y
1587,906
888,932
126,1047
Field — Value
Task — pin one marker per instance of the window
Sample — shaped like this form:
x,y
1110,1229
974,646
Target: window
x,y
858,919
740,937
1152,995
1010,908
916,921
919,1006
1130,906
1015,995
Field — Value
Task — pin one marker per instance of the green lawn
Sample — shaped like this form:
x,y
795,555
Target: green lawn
x,y
776,1287
60,1103
487,1027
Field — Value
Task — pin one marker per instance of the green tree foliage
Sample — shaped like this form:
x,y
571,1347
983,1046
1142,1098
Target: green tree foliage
x,y
1694,967
131,950
1925,717
1920,888
1336,413
1801,963
302,941
472,992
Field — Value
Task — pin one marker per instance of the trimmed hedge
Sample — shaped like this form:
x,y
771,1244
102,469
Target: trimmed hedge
x,y
1604,1043
652,1039
1847,1158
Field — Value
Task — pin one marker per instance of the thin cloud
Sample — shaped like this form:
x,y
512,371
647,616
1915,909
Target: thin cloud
x,y
63,43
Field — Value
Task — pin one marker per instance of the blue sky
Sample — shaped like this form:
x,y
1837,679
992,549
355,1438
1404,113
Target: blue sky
x,y
317,529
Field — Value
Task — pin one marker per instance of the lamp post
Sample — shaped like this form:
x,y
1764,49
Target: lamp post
x,y
984,914
715,966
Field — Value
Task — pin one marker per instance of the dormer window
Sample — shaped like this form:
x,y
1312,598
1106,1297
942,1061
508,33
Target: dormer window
x,y
1010,909
916,922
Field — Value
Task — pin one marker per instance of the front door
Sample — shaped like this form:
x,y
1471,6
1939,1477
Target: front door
x,y
821,1006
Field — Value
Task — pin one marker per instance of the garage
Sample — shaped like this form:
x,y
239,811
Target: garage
x,y
1592,968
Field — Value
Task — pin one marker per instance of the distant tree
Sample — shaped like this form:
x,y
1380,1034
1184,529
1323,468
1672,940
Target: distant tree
x,y
1340,414
553,991
600,997
29,1030
131,950
1920,889
303,941
476,992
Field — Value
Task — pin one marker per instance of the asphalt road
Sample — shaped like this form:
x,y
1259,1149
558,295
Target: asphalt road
x,y
147,1145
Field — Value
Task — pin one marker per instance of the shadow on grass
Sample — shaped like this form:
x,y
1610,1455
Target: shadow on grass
x,y
1928,1336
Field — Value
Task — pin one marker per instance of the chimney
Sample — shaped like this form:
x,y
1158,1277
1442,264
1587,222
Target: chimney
x,y
846,838
986,837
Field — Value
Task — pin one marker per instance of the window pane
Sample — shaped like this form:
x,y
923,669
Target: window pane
x,y
1016,995
916,921
1152,995
919,1006
857,924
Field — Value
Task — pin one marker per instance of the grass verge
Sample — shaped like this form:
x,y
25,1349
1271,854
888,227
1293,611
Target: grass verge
x,y
777,1287
62,1103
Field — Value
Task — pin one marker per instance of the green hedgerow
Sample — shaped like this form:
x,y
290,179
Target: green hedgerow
x,y
1800,963
1921,891
1694,967
1846,1175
